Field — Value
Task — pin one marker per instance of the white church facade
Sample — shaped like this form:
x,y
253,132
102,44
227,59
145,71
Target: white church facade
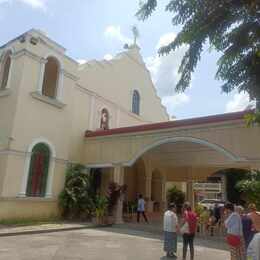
x,y
47,102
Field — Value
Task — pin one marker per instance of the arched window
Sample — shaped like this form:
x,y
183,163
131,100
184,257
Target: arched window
x,y
51,78
136,103
38,171
104,121
5,70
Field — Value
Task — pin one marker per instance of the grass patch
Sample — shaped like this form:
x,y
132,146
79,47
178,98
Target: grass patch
x,y
30,222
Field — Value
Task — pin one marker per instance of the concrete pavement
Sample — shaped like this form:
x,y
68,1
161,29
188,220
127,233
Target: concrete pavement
x,y
96,244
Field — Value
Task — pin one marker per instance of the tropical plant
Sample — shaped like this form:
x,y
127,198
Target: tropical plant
x,y
101,203
231,27
77,198
176,196
114,192
250,188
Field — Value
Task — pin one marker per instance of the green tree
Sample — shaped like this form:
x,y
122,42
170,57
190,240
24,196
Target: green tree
x,y
231,27
78,197
176,196
250,188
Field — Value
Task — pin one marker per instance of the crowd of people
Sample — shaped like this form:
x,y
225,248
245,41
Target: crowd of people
x,y
242,229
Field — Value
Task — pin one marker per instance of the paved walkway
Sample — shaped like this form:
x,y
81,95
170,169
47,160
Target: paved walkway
x,y
6,230
95,244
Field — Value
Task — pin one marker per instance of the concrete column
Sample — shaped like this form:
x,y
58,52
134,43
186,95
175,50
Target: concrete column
x,y
190,196
60,85
148,193
148,185
164,200
118,177
41,75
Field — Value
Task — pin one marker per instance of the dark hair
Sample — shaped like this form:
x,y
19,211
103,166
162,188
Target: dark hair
x,y
171,206
187,206
140,196
229,206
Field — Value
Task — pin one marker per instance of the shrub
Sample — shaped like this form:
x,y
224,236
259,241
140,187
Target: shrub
x,y
174,195
100,206
250,188
77,198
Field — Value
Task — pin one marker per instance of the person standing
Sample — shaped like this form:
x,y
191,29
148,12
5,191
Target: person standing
x,y
255,217
170,228
234,228
247,225
141,209
253,252
190,220
216,212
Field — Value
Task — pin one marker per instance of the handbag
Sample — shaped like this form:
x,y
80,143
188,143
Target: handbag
x,y
185,228
233,240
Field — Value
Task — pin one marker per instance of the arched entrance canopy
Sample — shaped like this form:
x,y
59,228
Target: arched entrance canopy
x,y
226,135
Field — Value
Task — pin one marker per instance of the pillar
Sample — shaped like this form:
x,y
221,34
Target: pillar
x,y
164,200
189,190
41,75
148,193
148,185
118,177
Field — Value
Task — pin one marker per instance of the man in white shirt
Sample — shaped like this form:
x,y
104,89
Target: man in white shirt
x,y
253,251
170,227
141,209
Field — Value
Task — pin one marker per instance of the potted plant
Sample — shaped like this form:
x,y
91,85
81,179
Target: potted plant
x,y
101,203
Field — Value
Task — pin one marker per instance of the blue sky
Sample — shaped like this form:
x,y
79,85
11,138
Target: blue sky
x,y
94,29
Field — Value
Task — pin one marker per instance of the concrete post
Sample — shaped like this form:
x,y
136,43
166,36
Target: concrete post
x,y
118,177
148,185
190,192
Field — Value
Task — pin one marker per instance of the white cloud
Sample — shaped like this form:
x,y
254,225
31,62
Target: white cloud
x,y
81,61
39,4
164,72
166,39
108,57
172,102
114,32
239,102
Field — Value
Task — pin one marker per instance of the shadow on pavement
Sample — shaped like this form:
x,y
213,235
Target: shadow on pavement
x,y
126,230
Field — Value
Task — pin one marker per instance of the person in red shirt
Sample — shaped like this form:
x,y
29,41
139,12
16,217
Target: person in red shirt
x,y
190,218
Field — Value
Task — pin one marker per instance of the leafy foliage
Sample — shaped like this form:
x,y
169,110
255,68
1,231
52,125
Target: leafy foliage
x,y
77,198
250,188
101,204
233,177
231,27
176,196
252,118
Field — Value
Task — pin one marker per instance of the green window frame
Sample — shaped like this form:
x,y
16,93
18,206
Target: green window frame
x,y
38,171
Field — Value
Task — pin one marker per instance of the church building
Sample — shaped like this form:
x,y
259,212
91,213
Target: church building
x,y
107,116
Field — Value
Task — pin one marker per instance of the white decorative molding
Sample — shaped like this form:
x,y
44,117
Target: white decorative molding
x,y
176,139
48,100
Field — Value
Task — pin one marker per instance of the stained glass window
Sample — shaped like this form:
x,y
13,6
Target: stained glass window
x,y
38,171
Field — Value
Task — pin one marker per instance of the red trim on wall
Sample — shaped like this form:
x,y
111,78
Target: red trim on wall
x,y
170,124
